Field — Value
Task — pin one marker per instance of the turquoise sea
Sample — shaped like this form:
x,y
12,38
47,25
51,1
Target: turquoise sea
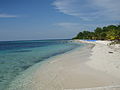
x,y
17,56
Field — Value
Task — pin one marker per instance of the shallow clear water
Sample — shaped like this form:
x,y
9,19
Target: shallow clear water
x,y
17,56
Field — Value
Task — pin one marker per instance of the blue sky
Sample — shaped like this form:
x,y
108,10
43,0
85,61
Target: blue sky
x,y
54,19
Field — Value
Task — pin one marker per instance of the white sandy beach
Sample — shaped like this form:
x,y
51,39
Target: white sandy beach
x,y
105,61
81,69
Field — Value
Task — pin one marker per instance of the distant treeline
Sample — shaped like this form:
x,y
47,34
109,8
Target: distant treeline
x,y
111,32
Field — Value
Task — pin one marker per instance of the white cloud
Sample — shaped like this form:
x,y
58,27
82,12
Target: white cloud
x,y
70,26
7,16
67,24
90,10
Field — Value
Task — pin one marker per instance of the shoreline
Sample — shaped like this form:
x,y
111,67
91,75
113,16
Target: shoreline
x,y
71,70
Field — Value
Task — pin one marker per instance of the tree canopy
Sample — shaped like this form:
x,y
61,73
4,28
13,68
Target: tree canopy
x,y
111,32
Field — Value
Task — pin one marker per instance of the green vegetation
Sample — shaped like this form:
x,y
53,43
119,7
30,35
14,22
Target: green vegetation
x,y
111,32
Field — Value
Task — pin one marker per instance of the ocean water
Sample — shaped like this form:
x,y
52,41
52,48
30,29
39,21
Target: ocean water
x,y
17,56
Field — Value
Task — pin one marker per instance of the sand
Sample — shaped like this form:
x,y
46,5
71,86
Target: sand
x,y
80,69
105,58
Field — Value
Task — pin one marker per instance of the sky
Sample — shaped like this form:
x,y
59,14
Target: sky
x,y
54,19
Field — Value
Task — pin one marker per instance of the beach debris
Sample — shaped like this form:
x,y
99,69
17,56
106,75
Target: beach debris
x,y
110,52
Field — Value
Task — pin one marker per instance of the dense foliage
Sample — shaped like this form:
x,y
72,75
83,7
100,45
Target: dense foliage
x,y
111,32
